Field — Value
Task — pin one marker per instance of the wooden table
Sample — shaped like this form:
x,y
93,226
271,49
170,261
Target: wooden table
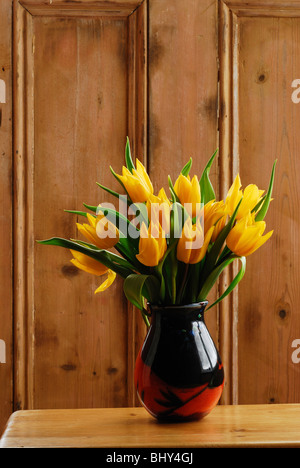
x,y
225,426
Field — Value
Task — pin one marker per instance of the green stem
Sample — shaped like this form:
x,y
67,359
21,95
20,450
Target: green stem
x,y
145,318
183,284
174,276
173,288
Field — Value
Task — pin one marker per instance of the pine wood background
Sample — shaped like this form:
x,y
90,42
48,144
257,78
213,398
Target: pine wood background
x,y
181,78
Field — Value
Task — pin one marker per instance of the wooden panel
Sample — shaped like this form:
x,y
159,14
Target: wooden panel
x,y
260,123
183,93
72,118
6,363
80,8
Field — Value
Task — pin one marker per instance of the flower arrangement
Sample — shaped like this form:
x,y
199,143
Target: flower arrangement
x,y
170,250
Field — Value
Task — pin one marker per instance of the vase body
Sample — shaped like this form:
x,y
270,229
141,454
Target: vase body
x,y
179,374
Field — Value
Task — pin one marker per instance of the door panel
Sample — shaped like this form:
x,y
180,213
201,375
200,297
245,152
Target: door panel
x,y
6,322
260,60
81,87
72,87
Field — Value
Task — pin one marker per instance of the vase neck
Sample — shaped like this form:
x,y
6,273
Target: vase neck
x,y
189,312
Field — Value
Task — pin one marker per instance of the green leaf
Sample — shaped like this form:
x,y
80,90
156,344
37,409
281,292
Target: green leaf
x,y
178,216
212,278
90,207
85,244
213,254
140,211
108,190
128,159
207,190
160,271
263,211
109,259
186,170
121,183
117,177
79,213
83,213
175,199
257,207
137,288
234,283
129,254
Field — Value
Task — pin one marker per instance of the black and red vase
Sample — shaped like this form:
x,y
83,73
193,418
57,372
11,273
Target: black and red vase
x,y
178,374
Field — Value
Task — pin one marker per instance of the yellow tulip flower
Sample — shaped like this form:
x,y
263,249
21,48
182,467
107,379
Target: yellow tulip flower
x,y
138,184
159,210
247,236
111,276
234,196
218,228
251,196
193,244
188,192
100,232
214,215
152,245
89,265
213,212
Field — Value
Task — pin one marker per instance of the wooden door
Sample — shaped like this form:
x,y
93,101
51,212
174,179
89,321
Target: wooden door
x,y
259,60
181,78
6,196
80,70
86,75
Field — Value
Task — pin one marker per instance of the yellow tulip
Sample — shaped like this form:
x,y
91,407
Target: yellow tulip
x,y
193,244
218,228
234,195
159,210
251,196
214,215
100,232
111,276
188,192
247,236
152,245
88,264
138,184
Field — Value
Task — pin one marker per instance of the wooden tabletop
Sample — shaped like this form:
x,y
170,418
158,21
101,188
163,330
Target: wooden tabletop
x,y
225,426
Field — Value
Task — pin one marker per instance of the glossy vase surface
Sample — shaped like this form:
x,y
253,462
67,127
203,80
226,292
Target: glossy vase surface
x,y
179,374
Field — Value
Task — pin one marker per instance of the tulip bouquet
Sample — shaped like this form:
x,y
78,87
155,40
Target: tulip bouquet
x,y
170,250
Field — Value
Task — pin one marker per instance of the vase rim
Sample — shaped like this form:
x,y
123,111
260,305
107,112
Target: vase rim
x,y
193,305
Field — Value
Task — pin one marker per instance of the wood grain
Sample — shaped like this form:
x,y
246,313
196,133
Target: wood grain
x,y
72,111
183,94
6,334
63,8
180,78
262,61
272,302
251,426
